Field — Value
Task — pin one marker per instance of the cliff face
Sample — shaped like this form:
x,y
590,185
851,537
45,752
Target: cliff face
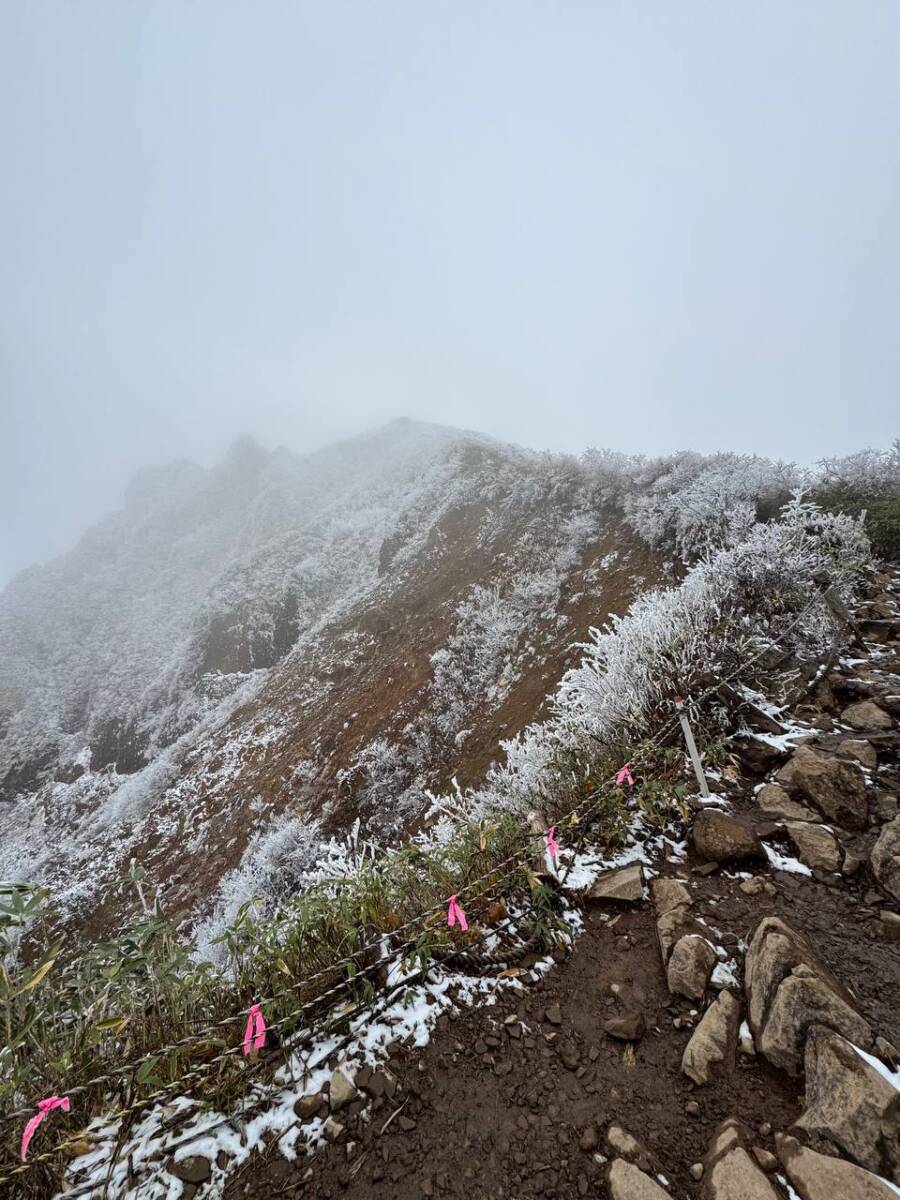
x,y
314,639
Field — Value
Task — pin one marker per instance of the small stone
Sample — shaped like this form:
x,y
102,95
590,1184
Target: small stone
x,y
667,894
589,1139
333,1129
766,1159
884,806
341,1090
890,925
886,858
696,1170
752,887
765,1129
629,1027
623,884
553,1015
622,1143
194,1168
308,1106
692,1108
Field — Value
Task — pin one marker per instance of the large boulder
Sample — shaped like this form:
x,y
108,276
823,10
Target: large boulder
x,y
851,1107
816,845
820,1177
729,1170
836,787
690,966
788,990
712,1049
885,858
720,838
777,804
865,714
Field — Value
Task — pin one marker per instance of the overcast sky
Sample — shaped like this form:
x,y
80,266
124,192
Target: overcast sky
x,y
639,225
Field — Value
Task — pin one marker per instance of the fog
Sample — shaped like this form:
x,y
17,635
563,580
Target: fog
x,y
642,226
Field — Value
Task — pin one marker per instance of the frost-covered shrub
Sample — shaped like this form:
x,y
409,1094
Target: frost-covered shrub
x,y
868,483
695,504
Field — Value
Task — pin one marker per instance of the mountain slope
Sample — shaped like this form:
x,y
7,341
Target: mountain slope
x,y
252,657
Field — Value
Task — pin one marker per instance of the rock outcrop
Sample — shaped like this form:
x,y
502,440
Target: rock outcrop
x,y
788,991
851,1107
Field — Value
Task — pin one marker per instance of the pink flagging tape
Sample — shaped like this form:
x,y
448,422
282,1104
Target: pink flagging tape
x,y
625,776
455,914
255,1033
45,1107
552,846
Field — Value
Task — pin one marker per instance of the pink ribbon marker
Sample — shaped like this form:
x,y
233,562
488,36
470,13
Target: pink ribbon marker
x,y
552,847
44,1107
255,1033
455,913
625,776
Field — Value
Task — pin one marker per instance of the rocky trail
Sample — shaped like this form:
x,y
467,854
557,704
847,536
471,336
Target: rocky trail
x,y
725,1026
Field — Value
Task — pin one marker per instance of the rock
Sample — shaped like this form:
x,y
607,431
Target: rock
x,y
308,1106
788,989
775,802
816,845
722,838
837,788
713,1045
886,858
884,806
696,1170
194,1168
729,1171
821,1177
753,887
668,894
864,752
853,860
629,1027
850,1106
690,966
865,714
589,1140
692,1108
890,925
341,1090
765,1159
624,884
888,1053
626,1182
333,1129
758,755
620,1142
670,927
553,1015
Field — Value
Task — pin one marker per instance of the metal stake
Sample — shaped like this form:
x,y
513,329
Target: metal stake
x,y
692,748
